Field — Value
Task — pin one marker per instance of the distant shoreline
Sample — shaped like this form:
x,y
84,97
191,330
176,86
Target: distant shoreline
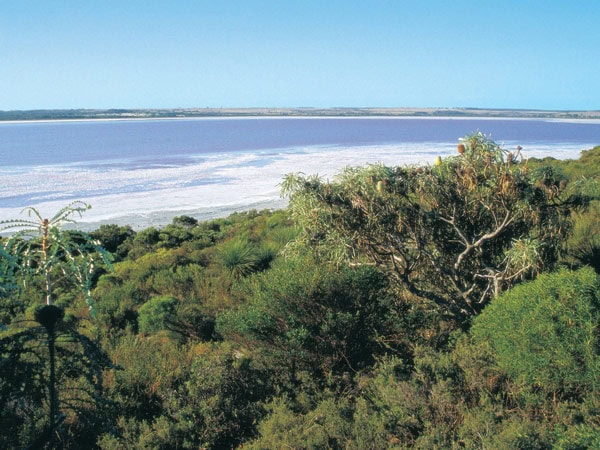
x,y
141,119
257,117
52,115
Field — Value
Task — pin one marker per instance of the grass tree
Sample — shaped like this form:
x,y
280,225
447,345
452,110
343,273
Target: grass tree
x,y
41,248
239,257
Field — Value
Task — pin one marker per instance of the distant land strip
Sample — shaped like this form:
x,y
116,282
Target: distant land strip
x,y
89,114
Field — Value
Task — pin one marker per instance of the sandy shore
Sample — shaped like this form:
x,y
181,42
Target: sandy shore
x,y
159,219
235,187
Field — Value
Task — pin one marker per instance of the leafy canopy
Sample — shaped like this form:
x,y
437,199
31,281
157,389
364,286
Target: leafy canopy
x,y
457,233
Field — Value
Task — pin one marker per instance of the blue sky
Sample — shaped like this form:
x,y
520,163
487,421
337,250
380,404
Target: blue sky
x,y
251,53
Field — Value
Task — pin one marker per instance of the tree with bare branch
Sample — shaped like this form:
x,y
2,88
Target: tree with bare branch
x,y
456,233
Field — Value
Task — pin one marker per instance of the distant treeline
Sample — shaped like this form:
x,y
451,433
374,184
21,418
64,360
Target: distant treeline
x,y
84,114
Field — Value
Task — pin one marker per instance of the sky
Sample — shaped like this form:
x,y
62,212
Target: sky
x,y
524,54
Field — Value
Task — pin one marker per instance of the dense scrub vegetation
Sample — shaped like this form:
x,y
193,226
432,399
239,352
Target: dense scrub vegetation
x,y
450,306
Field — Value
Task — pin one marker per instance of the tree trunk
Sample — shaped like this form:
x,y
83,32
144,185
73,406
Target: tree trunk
x,y
52,380
49,317
49,299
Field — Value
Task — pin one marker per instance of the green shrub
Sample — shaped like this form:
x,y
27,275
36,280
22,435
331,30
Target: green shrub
x,y
544,334
578,437
239,257
326,426
583,246
155,314
306,316
457,234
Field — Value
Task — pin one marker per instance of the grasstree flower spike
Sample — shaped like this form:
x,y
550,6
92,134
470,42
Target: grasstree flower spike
x,y
41,247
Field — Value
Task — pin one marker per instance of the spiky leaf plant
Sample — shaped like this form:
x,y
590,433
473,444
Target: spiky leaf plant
x,y
41,247
239,257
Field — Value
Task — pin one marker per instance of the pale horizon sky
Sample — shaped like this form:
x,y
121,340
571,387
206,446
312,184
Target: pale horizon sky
x,y
250,53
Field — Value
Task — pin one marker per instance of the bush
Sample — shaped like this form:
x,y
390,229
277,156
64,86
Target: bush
x,y
544,334
583,247
326,426
239,257
156,314
304,316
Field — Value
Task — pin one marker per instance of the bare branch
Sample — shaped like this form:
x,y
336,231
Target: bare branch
x,y
486,237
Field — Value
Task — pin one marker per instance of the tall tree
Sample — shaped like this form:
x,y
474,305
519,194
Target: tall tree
x,y
40,247
457,233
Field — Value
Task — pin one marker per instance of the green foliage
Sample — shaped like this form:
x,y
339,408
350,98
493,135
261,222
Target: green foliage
x,y
457,234
306,317
544,334
155,314
41,247
41,251
514,433
220,402
117,240
150,369
21,389
24,374
144,241
163,273
185,221
182,397
326,426
9,307
417,404
583,247
531,367
578,437
239,257
586,166
361,353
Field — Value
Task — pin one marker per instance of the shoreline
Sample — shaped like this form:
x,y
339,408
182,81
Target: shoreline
x,y
370,117
237,190
161,218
